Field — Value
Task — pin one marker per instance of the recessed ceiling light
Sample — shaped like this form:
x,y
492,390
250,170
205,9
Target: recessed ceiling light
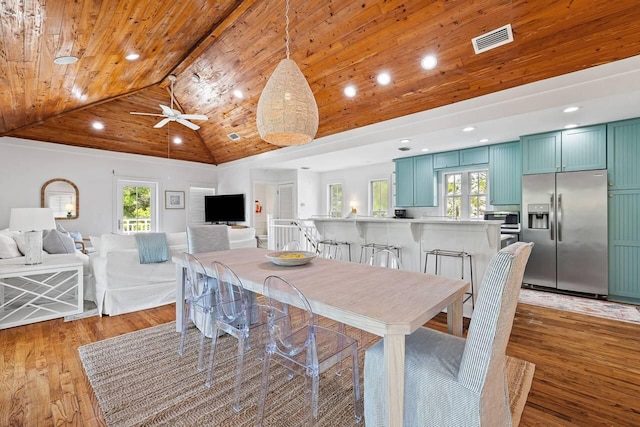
x,y
468,129
429,62
238,93
424,150
571,126
405,141
484,140
65,60
384,79
195,78
570,109
177,140
350,91
97,125
132,56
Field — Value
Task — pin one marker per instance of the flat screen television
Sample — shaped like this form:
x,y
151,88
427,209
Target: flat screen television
x,y
224,208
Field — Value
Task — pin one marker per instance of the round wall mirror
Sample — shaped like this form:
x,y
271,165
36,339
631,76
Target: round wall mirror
x,y
61,196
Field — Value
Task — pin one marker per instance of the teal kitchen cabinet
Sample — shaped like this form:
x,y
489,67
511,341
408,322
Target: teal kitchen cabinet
x,y
623,157
448,159
404,181
505,174
474,156
424,181
415,181
570,150
539,153
584,148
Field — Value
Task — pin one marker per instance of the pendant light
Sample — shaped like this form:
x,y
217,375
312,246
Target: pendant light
x,y
287,111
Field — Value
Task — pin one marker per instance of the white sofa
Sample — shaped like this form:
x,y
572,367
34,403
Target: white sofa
x,y
123,285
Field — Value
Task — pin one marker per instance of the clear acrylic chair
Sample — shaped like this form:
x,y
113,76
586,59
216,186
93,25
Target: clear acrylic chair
x,y
199,301
304,349
238,316
385,258
292,245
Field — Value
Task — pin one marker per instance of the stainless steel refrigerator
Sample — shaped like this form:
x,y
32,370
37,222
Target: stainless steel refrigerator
x,y
565,215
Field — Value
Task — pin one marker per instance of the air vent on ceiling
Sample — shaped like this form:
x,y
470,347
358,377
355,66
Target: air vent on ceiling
x,y
234,136
492,39
404,148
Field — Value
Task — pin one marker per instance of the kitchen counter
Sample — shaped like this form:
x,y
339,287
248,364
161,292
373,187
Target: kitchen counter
x,y
415,236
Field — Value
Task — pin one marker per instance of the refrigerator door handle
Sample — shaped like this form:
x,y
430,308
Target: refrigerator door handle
x,y
559,217
551,215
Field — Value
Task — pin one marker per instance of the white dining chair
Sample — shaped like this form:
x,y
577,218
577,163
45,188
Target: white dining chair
x,y
450,381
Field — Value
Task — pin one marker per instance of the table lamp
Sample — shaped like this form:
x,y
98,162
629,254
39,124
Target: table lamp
x,y
31,221
69,208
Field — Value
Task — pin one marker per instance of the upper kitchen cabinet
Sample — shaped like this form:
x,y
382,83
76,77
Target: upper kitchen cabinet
x,y
404,181
570,150
539,153
447,159
584,148
474,156
415,184
505,174
623,155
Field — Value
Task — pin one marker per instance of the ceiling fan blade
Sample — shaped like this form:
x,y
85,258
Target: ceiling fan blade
x,y
194,116
148,114
162,123
188,124
167,111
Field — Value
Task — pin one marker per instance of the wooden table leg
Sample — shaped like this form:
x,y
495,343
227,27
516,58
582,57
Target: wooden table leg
x,y
454,317
394,373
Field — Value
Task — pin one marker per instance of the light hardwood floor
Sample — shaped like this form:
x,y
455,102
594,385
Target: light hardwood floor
x,y
587,369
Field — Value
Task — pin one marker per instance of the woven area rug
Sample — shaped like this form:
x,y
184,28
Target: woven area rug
x,y
139,379
591,307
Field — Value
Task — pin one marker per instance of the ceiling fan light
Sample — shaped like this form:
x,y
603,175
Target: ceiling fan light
x,y
287,111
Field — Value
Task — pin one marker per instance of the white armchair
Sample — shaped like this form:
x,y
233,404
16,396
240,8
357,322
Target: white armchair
x,y
450,381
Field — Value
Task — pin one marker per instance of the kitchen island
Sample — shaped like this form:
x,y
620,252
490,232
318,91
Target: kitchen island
x,y
415,237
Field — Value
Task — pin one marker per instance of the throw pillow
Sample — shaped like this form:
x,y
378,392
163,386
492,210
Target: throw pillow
x,y
8,247
77,237
56,242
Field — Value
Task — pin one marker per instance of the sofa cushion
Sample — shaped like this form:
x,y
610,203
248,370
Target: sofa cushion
x,y
117,242
8,247
55,242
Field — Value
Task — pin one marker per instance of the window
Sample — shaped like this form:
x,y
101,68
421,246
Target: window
x,y
335,200
477,194
453,183
379,197
465,194
137,206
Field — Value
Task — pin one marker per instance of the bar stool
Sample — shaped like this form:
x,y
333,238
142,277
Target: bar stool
x,y
462,255
365,256
330,248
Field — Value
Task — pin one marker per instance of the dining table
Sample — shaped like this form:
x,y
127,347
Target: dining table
x,y
386,302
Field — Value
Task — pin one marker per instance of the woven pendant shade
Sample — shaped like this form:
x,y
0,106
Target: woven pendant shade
x,y
287,111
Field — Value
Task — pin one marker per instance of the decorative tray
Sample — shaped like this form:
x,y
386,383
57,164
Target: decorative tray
x,y
290,258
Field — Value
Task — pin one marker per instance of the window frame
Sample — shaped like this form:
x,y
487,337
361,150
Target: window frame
x,y
372,211
336,212
465,195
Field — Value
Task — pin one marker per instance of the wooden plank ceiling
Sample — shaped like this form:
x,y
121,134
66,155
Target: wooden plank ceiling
x,y
237,45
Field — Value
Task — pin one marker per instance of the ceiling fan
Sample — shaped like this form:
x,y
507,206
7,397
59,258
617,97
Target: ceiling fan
x,y
171,115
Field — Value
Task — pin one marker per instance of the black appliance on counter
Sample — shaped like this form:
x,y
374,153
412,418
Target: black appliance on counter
x,y
400,213
510,227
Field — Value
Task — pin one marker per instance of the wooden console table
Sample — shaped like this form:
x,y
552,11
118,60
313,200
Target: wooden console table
x,y
33,293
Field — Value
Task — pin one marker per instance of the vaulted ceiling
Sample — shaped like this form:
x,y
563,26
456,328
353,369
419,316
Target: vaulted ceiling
x,y
237,44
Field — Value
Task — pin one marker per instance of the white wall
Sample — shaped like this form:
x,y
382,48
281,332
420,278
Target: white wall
x,y
26,165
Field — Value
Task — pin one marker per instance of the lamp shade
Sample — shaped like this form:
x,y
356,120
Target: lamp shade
x,y
31,219
287,111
